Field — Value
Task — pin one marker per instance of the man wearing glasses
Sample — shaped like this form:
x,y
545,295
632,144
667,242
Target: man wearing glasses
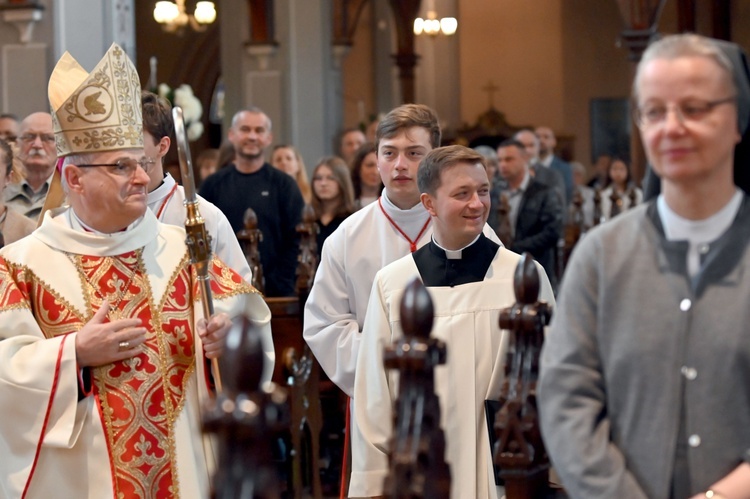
x,y
103,346
36,150
645,371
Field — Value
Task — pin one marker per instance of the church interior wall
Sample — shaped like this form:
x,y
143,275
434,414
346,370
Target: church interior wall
x,y
24,68
594,67
514,45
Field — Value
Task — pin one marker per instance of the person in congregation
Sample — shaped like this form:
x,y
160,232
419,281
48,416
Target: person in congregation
x,y
535,211
620,189
368,240
378,234
547,176
548,159
36,150
365,176
372,128
586,193
332,196
206,164
601,166
497,183
349,143
250,182
166,199
227,155
470,280
13,225
645,371
103,345
9,127
288,159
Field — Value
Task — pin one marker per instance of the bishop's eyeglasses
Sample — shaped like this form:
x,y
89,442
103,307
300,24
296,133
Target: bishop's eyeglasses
x,y
690,111
125,167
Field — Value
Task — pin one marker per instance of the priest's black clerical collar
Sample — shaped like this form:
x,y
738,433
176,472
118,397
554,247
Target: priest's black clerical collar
x,y
454,254
438,269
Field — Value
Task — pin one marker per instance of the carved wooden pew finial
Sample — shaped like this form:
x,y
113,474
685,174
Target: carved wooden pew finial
x,y
519,452
417,448
246,419
575,227
307,259
597,207
249,238
615,204
632,197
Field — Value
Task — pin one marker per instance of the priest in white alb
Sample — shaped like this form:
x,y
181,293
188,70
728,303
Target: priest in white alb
x,y
470,280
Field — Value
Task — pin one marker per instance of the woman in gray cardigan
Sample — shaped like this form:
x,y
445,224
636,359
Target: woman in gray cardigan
x,y
645,382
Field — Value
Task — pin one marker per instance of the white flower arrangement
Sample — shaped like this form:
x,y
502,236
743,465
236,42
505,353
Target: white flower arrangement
x,y
192,109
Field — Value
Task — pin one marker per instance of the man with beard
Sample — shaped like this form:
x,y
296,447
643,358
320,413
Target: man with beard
x,y
250,182
36,150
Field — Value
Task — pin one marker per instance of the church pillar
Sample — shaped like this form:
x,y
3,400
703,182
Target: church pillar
x,y
291,77
28,55
387,93
437,74
404,12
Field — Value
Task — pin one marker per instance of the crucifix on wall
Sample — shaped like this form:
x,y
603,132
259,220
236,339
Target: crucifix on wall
x,y
490,88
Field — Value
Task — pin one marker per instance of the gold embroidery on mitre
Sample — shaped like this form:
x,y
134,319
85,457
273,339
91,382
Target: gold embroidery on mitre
x,y
96,112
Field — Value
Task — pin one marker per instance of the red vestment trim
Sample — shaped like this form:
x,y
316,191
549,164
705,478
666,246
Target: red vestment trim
x,y
412,244
164,203
46,415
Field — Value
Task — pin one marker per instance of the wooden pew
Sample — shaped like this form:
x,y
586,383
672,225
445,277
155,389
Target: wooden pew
x,y
296,367
246,419
520,458
417,466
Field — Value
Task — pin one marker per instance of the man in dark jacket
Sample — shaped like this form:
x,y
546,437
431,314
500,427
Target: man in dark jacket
x,y
535,210
250,182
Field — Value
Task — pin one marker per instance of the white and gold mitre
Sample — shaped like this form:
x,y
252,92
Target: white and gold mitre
x,y
96,112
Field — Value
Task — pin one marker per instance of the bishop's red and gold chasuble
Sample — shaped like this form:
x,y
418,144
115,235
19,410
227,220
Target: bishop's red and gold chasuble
x,y
138,399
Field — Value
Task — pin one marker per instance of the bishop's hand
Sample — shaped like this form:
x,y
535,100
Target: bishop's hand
x,y
99,342
213,333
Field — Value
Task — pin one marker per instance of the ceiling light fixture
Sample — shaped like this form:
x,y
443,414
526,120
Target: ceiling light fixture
x,y
432,25
173,17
